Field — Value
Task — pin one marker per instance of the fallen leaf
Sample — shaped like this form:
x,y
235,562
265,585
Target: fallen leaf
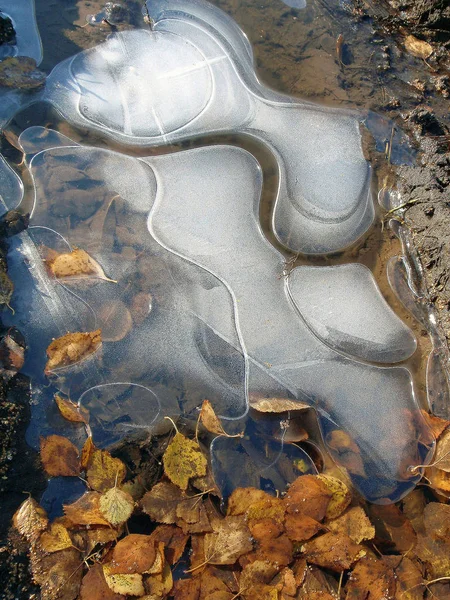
x,y
267,508
86,453
75,265
439,480
30,519
308,495
59,456
71,411
242,498
418,47
161,502
129,585
257,572
100,535
158,586
278,551
301,528
285,583
436,424
211,422
192,516
334,551
265,529
134,553
86,510
345,451
20,72
114,320
116,506
12,354
56,538
392,526
230,540
6,288
214,585
187,589
103,471
59,574
341,496
276,405
410,582
442,454
353,523
72,348
174,541
317,586
371,578
182,460
413,506
94,586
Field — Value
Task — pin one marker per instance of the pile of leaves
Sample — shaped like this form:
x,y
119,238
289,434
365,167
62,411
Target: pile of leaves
x,y
314,541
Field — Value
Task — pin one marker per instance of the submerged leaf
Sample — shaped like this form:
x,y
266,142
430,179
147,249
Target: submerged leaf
x,y
130,585
30,519
182,460
230,540
341,496
116,506
276,405
55,539
103,471
442,455
86,510
161,502
71,411
72,348
355,524
334,551
211,421
74,265
20,72
59,456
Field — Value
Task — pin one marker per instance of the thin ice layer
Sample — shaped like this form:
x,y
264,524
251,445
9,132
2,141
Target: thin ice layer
x,y
192,75
344,307
210,313
11,187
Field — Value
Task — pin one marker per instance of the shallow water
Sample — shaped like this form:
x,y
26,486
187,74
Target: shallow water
x,y
295,51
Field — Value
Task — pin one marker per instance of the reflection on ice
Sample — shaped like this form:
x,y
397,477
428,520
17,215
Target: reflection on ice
x,y
11,187
222,323
192,75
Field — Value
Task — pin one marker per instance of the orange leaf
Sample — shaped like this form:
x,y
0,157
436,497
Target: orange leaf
x,y
135,553
71,411
72,348
86,510
59,456
94,586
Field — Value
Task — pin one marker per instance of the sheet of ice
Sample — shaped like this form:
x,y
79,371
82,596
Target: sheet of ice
x,y
193,75
222,323
23,16
345,309
11,187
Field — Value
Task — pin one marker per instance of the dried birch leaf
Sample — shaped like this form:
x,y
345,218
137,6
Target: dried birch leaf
x,y
94,586
72,348
342,445
161,502
6,288
371,578
301,528
86,453
182,460
59,456
30,519
59,574
341,496
276,405
103,471
334,551
71,411
308,495
116,506
211,421
159,585
442,455
86,510
410,581
129,585
134,553
355,524
174,541
56,538
418,47
230,540
242,498
436,424
75,265
115,320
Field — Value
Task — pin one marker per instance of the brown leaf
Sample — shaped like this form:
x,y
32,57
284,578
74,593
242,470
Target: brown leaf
x,y
104,472
355,524
346,452
285,583
99,535
242,498
334,551
159,585
436,424
86,510
114,320
436,518
341,496
187,589
410,582
174,541
308,495
12,355
268,508
211,422
300,528
257,572
30,519
75,265
59,574
230,540
413,506
265,529
86,453
276,405
392,525
72,348
214,585
59,456
317,586
94,586
439,480
192,516
183,460
442,454
161,502
71,411
278,551
371,578
130,585
135,553
418,47
56,538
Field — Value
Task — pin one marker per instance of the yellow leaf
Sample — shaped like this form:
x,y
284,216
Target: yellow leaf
x,y
86,453
340,496
130,585
116,506
182,460
211,421
72,348
55,539
276,405
355,524
75,265
30,519
442,456
418,47
71,411
104,471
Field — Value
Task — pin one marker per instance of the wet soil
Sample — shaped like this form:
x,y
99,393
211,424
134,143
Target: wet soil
x,y
347,53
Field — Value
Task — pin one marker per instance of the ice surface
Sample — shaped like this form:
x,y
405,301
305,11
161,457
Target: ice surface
x,y
193,75
344,307
200,308
11,187
23,16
